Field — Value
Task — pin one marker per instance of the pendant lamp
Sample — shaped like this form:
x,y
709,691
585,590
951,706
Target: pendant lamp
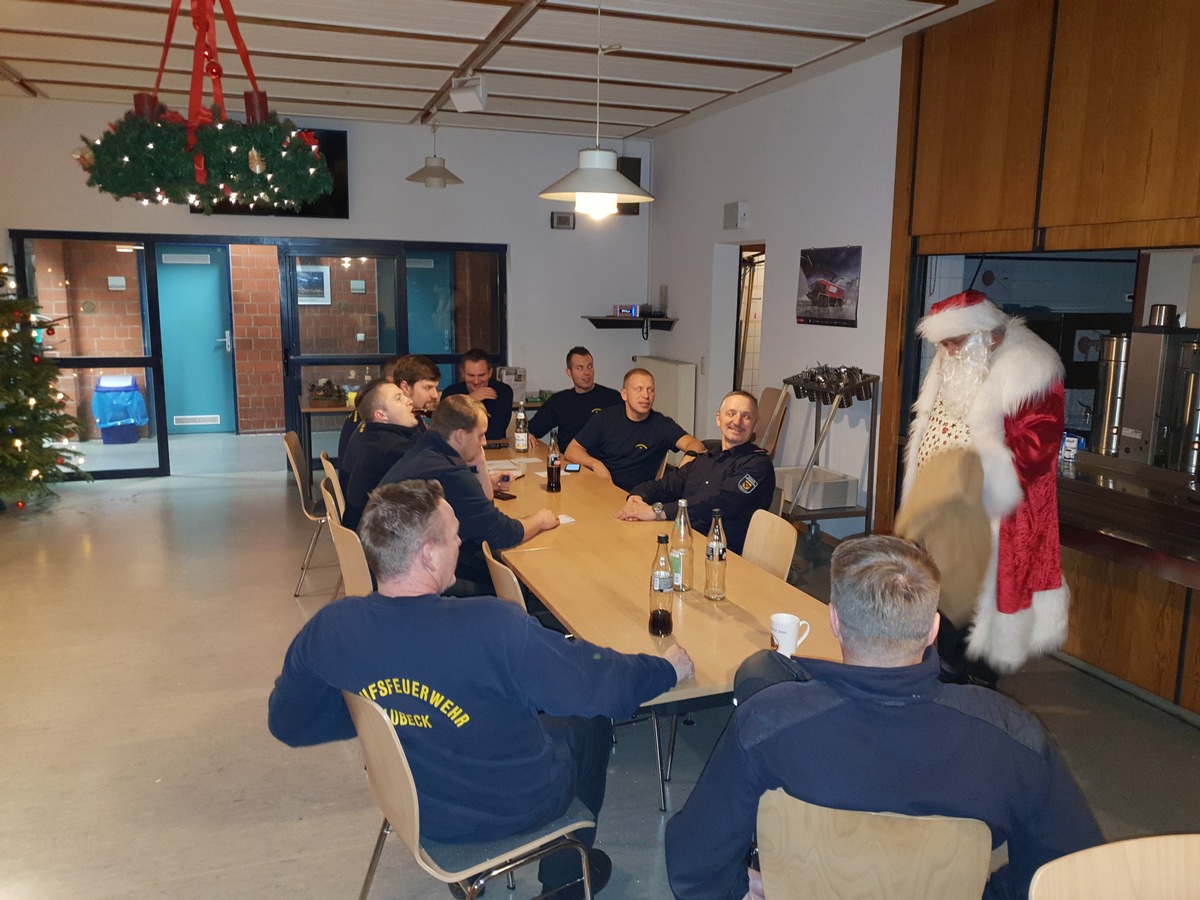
x,y
434,173
596,186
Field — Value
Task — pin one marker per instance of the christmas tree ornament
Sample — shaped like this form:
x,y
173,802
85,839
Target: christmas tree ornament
x,y
257,164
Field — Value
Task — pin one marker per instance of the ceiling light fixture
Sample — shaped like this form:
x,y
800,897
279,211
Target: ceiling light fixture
x,y
434,173
596,186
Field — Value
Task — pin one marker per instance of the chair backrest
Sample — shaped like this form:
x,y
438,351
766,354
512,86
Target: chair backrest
x,y
772,408
839,853
662,468
770,543
331,473
300,469
504,580
1161,867
356,574
388,772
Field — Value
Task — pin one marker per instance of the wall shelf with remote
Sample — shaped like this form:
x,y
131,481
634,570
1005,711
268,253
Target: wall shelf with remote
x,y
645,323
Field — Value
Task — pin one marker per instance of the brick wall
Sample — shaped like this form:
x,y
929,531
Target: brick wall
x,y
335,328
257,338
72,281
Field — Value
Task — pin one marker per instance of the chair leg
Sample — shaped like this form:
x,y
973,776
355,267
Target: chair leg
x,y
510,881
312,543
662,784
383,833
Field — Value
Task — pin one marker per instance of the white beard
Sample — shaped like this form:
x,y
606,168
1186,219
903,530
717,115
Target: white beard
x,y
964,373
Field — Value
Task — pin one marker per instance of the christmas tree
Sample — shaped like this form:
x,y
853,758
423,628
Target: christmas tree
x,y
34,429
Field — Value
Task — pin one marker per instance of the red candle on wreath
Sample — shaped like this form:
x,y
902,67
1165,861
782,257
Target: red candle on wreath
x,y
257,109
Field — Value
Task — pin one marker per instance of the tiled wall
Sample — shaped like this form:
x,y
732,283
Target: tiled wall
x,y
257,338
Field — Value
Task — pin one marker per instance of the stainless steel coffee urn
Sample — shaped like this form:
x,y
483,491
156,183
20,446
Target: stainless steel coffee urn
x,y
1186,452
1110,394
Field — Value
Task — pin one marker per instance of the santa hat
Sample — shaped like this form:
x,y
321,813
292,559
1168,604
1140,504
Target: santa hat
x,y
963,313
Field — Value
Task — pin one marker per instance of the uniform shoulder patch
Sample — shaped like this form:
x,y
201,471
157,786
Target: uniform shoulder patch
x,y
747,484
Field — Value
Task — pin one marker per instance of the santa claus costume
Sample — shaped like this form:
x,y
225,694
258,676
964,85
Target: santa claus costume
x,y
1015,423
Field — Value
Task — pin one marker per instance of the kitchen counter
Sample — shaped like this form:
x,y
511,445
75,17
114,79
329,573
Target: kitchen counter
x,y
1148,517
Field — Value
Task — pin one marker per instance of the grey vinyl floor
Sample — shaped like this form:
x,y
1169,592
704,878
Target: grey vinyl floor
x,y
142,623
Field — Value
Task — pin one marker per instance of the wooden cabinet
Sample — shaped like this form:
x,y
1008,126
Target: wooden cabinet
x,y
979,123
1123,135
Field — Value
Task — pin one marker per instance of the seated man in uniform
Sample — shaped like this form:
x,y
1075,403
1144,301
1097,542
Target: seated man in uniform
x,y
451,452
388,431
504,722
626,444
478,384
570,410
877,732
737,480
417,377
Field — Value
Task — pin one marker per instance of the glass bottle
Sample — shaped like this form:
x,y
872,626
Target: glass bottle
x,y
553,466
521,434
714,560
681,549
661,581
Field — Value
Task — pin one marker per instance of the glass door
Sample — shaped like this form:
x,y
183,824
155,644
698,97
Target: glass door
x,y
93,294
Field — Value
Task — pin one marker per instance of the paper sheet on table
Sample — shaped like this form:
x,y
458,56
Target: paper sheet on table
x,y
564,519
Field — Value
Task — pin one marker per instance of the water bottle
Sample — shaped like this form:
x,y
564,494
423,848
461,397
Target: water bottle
x,y
714,560
521,434
661,581
681,549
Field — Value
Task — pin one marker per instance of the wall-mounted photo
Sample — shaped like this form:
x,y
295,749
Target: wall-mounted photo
x,y
312,286
828,293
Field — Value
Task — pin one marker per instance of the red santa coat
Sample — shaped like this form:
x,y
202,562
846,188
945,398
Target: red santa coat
x,y
1016,424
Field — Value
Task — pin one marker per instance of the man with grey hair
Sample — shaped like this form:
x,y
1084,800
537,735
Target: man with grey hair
x,y
877,732
451,453
504,722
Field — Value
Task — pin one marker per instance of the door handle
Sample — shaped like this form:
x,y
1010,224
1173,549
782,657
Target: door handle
x,y
226,341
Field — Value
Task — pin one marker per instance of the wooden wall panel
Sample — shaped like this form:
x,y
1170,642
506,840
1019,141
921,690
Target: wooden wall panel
x,y
979,130
1123,143
1189,683
1124,621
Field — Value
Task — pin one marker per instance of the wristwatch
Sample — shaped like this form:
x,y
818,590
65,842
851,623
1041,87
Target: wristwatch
x,y
659,515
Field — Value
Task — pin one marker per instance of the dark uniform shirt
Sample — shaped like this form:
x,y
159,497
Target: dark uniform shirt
x,y
631,451
569,411
478,518
381,446
499,411
736,481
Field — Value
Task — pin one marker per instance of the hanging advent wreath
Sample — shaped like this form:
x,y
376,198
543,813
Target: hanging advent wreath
x,y
155,155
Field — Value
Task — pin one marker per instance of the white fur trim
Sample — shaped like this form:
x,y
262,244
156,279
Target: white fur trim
x,y
982,316
1006,641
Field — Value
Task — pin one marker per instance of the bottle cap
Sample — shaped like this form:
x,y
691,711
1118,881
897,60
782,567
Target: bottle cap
x,y
662,539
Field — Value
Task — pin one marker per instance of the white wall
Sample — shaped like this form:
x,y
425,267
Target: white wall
x,y
816,164
554,276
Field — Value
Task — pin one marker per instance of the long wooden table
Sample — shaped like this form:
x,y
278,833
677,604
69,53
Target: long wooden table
x,y
594,575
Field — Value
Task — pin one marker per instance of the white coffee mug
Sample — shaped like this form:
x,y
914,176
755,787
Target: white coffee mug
x,y
787,632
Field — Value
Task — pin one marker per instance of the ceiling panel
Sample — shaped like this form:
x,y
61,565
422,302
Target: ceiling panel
x,y
393,60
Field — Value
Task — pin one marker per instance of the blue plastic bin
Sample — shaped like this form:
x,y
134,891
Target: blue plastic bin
x,y
119,409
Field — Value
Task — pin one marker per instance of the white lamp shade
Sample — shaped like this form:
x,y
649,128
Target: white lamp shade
x,y
434,173
597,174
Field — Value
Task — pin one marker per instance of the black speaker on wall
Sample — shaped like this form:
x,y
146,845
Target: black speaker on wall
x,y
631,168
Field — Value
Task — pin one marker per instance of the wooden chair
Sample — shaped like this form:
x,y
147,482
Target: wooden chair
x,y
356,574
296,457
772,409
504,580
1161,867
468,865
770,543
332,475
836,853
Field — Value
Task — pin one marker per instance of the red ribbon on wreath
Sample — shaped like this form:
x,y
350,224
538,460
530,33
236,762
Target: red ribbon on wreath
x,y
206,64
